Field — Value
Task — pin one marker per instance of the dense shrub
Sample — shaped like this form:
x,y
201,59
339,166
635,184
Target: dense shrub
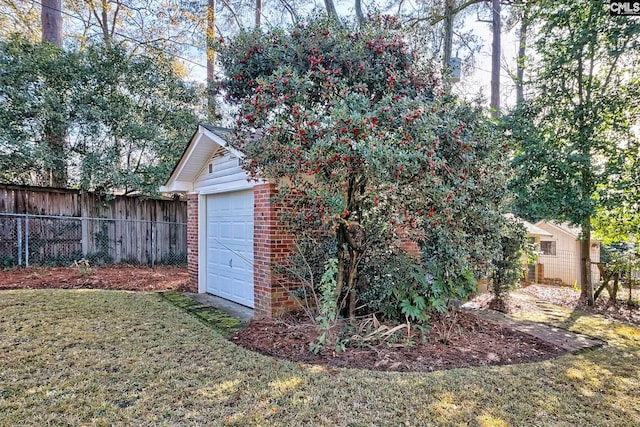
x,y
367,146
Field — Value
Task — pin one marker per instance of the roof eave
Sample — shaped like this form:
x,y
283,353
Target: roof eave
x,y
177,187
180,181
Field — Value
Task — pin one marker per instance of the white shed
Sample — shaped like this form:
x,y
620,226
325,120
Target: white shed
x,y
234,238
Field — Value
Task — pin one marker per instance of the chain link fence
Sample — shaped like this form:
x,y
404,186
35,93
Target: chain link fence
x,y
47,240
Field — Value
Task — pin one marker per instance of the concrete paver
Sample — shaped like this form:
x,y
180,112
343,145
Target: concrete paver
x,y
240,312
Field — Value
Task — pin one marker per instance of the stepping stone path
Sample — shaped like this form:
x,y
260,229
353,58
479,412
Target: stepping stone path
x,y
569,341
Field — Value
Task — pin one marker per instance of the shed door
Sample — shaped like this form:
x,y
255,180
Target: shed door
x,y
230,246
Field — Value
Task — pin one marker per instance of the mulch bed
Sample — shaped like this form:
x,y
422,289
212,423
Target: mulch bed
x,y
454,341
119,277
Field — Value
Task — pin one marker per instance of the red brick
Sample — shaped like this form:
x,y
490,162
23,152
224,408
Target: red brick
x,y
192,238
272,244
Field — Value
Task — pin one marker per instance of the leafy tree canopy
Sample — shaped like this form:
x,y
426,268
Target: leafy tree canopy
x,y
127,117
618,198
575,133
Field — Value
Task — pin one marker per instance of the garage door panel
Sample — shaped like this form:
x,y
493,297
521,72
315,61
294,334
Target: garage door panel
x,y
239,231
230,246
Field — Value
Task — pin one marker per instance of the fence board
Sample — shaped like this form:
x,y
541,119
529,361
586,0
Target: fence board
x,y
20,199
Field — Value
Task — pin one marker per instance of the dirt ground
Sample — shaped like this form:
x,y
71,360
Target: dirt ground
x,y
120,277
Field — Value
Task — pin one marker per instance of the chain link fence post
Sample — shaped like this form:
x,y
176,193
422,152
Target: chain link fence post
x,y
19,239
26,240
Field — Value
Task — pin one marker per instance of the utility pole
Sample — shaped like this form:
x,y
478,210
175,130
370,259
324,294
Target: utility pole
x,y
54,130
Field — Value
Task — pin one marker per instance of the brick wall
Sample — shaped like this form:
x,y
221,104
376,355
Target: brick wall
x,y
271,247
192,241
408,245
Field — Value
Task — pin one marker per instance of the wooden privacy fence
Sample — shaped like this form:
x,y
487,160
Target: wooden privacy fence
x,y
43,226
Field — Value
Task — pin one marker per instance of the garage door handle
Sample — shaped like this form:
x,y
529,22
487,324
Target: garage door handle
x,y
231,263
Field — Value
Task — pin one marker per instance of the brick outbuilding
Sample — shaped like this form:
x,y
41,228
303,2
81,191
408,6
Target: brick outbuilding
x,y
235,238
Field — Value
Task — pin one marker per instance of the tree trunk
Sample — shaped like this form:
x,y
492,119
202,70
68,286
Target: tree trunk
x,y
331,8
54,130
359,14
495,59
448,35
586,286
51,19
613,293
211,58
352,305
606,277
351,280
258,13
340,254
522,46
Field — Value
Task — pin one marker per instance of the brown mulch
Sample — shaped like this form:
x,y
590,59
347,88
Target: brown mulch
x,y
570,298
454,341
119,277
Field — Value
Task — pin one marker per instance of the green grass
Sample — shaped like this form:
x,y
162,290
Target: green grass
x,y
70,357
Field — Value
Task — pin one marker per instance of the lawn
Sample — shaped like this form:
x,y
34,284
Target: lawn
x,y
73,357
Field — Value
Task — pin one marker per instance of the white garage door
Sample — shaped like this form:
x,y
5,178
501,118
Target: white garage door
x,y
230,246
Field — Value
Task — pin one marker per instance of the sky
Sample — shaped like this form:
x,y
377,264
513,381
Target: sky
x,y
471,84
480,79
